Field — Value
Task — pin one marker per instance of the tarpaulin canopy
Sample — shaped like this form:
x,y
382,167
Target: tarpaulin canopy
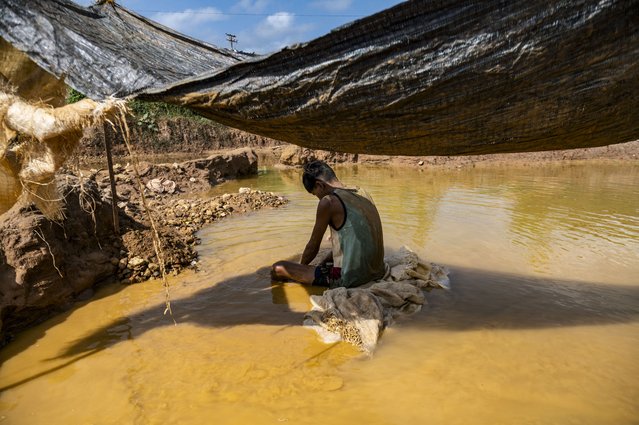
x,y
422,78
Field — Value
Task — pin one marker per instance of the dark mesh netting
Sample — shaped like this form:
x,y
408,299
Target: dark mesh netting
x,y
421,78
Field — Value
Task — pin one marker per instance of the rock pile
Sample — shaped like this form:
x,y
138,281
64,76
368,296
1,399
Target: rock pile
x,y
162,180
178,220
191,214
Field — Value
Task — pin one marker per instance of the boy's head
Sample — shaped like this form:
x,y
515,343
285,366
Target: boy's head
x,y
314,171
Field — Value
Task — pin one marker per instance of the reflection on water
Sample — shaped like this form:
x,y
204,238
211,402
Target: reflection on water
x,y
542,324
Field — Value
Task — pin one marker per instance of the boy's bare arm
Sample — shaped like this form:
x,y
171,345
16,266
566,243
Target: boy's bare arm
x,y
322,219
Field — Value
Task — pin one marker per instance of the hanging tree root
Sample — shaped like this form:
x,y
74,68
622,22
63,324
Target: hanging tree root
x,y
36,140
39,234
157,246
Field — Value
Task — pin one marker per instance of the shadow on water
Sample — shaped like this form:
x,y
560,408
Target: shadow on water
x,y
245,299
484,299
478,300
32,336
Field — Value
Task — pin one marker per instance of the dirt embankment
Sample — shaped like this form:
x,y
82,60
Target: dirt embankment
x,y
197,137
45,265
171,135
295,156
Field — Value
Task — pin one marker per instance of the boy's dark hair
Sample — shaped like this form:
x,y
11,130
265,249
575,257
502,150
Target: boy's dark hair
x,y
316,170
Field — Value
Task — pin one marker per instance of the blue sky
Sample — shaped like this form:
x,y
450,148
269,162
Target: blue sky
x,y
261,26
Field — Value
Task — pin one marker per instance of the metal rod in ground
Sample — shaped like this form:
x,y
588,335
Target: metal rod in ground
x,y
114,195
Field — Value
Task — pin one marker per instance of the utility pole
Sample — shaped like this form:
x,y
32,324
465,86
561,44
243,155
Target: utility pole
x,y
231,38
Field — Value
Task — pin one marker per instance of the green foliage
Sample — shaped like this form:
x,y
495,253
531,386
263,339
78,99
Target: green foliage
x,y
147,114
146,121
160,109
73,95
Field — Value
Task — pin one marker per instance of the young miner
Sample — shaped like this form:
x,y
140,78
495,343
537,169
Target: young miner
x,y
357,255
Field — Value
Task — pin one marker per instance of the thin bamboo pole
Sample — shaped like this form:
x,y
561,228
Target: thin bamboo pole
x,y
114,195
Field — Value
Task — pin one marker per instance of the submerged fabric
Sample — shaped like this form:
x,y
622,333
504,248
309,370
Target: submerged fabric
x,y
359,315
358,245
422,78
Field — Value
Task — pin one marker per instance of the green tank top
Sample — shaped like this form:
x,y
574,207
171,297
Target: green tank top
x,y
358,245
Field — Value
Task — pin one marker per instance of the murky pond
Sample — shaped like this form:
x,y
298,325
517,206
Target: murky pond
x,y
541,327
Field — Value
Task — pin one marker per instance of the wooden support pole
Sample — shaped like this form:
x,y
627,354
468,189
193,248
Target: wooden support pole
x,y
114,194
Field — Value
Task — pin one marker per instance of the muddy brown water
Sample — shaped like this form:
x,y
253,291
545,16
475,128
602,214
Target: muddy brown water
x,y
541,327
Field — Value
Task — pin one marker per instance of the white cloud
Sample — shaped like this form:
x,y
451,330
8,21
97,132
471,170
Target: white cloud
x,y
188,20
332,5
269,34
251,6
273,33
276,24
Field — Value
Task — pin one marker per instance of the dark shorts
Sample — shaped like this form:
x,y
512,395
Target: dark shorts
x,y
327,275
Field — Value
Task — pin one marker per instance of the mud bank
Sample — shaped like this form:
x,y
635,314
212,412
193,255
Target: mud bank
x,y
170,135
295,156
45,266
198,137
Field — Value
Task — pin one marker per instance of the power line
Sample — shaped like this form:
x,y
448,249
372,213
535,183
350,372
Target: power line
x,y
195,12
